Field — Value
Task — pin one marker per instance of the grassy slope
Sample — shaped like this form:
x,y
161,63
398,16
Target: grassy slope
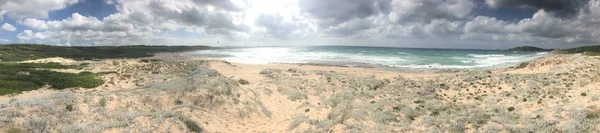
x,y
11,82
20,52
587,50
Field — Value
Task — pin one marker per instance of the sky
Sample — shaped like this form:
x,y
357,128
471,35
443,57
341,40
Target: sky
x,y
471,24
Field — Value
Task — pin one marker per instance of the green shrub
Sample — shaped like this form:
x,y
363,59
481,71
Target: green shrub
x,y
523,65
18,77
7,91
591,114
21,52
510,109
69,107
84,64
193,126
102,102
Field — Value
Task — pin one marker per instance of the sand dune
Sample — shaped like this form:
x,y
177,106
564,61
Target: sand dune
x,y
558,93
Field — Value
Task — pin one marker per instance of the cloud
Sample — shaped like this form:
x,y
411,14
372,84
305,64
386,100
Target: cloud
x,y
543,27
560,8
185,13
30,35
222,4
484,24
334,12
367,18
9,27
309,22
18,9
139,22
351,27
84,30
279,27
34,24
425,11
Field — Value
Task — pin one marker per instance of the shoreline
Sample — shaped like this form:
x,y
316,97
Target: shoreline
x,y
370,66
470,62
311,66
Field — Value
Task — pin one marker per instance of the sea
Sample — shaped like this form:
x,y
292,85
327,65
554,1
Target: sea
x,y
389,58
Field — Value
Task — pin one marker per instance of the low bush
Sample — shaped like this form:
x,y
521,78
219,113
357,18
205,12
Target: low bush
x,y
523,65
20,52
13,129
510,109
18,77
8,91
192,126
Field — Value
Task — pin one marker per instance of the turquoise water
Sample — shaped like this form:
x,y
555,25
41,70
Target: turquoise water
x,y
380,57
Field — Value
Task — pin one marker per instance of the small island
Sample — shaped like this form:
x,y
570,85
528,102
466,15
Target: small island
x,y
528,49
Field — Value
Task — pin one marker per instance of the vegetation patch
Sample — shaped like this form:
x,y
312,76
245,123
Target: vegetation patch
x,y
150,60
510,109
193,126
586,50
21,52
18,77
523,65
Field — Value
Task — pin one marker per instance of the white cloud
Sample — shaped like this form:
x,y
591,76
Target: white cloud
x,y
18,9
543,27
138,22
9,27
35,24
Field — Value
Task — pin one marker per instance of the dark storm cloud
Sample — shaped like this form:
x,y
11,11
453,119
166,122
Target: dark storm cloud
x,y
561,8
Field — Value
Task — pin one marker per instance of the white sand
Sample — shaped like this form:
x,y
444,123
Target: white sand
x,y
265,105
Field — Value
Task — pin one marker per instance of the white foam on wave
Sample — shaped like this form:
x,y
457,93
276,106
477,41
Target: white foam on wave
x,y
466,61
485,55
481,61
437,66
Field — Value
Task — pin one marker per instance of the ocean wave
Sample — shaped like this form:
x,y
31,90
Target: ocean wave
x,y
485,55
396,59
438,66
466,61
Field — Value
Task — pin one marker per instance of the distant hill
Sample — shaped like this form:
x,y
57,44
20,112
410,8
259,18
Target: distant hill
x,y
20,52
587,50
528,49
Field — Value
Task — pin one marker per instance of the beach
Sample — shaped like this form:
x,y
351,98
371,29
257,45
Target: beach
x,y
175,93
